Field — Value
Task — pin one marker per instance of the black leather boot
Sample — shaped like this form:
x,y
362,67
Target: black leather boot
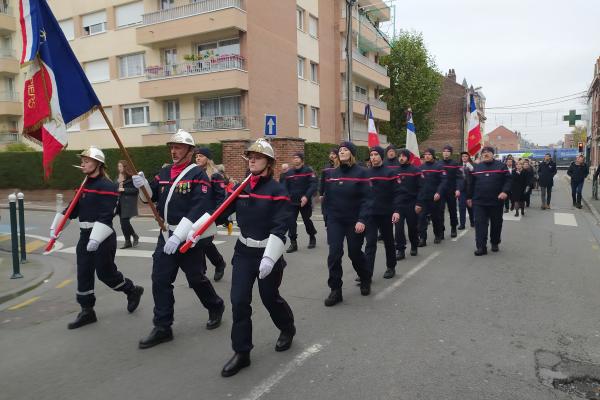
x,y
422,243
312,242
284,341
437,240
334,297
85,317
481,251
365,288
219,272
293,247
389,273
133,298
495,248
136,240
413,251
214,318
453,232
400,255
237,362
127,244
159,334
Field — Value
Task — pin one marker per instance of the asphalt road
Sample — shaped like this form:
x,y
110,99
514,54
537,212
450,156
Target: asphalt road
x,y
449,326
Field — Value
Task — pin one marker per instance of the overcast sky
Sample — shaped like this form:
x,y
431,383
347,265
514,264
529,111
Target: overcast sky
x,y
518,51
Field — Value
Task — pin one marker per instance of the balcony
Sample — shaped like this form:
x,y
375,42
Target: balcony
x,y
8,22
220,73
367,69
226,16
218,123
8,61
369,36
10,104
359,100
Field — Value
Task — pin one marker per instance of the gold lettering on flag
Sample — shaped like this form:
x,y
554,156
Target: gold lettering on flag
x,y
31,101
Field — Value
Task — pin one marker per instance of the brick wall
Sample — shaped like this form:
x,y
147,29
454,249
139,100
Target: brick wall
x,y
448,117
236,167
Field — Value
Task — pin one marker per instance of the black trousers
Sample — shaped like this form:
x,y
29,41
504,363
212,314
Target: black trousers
x,y
432,209
383,224
127,228
164,272
488,216
211,252
449,201
102,262
246,262
337,231
463,209
410,217
306,213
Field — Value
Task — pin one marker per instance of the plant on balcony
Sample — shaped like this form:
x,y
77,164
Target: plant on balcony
x,y
192,57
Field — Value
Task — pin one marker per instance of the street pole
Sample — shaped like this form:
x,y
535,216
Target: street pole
x,y
12,200
20,200
349,89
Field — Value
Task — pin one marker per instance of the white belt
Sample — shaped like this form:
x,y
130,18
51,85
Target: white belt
x,y
259,244
86,225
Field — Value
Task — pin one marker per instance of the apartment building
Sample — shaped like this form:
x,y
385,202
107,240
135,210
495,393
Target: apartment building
x,y
11,105
217,67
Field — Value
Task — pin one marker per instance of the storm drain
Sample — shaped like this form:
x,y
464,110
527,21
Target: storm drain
x,y
577,378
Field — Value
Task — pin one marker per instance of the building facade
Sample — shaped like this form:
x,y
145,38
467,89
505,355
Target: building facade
x,y
11,104
594,116
217,67
503,139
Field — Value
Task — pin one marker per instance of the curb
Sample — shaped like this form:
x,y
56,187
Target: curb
x,y
46,274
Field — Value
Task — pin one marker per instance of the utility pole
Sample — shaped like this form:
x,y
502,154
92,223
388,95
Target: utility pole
x,y
349,90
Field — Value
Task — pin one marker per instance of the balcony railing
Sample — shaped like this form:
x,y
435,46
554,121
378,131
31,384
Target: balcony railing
x,y
221,63
371,64
9,137
364,22
225,122
363,98
199,7
9,96
5,10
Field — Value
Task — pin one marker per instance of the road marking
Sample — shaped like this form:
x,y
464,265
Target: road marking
x,y
511,217
63,283
265,386
142,239
463,233
567,219
225,233
120,252
24,304
32,246
381,295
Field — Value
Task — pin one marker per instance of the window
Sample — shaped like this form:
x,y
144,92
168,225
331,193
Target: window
x,y
97,71
68,28
314,72
222,47
94,23
301,61
314,117
360,91
166,4
96,120
129,14
300,18
136,115
131,65
9,84
313,26
301,109
219,107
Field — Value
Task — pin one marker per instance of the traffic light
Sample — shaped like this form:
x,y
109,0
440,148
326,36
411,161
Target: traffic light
x,y
580,147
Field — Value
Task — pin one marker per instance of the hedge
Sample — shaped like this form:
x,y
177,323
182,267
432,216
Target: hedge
x,y
23,170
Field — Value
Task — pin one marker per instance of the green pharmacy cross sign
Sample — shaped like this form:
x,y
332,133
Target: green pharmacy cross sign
x,y
572,117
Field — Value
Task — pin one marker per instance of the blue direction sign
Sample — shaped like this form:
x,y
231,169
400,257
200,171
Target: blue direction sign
x,y
270,125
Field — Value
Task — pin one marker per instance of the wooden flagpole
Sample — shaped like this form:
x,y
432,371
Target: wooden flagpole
x,y
157,217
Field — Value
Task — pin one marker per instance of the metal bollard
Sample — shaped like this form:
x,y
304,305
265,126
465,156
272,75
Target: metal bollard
x,y
12,199
20,200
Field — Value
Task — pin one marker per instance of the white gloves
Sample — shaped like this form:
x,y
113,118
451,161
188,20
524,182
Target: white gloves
x,y
138,180
172,245
93,245
266,266
52,235
191,238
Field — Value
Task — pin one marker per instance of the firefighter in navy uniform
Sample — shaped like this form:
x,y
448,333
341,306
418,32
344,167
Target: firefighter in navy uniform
x,y
97,241
454,185
487,187
348,196
301,184
263,211
391,157
334,162
434,188
183,194
383,189
409,201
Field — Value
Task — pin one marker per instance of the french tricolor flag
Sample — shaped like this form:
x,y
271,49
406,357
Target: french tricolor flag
x,y
57,92
373,138
411,140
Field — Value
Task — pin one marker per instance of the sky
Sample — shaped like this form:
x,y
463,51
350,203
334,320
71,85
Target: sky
x,y
517,51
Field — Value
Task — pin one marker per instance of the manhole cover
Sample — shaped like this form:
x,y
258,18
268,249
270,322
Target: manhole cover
x,y
586,387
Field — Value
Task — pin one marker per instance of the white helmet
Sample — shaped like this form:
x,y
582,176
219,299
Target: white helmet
x,y
182,137
263,147
94,153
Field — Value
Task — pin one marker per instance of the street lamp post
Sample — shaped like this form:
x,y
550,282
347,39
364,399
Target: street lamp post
x,y
349,108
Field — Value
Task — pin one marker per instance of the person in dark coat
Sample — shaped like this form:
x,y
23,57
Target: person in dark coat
x,y
546,172
530,183
434,189
334,162
578,171
519,182
391,157
510,165
454,185
128,203
467,166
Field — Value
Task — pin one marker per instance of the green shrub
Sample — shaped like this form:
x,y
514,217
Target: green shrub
x,y
18,147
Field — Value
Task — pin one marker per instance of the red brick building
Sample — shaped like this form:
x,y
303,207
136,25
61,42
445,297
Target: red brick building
x,y
569,142
594,117
503,139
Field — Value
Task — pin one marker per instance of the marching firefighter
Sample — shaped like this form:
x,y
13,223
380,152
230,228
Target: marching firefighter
x,y
183,194
263,211
408,199
203,158
97,241
391,157
434,188
383,193
487,189
348,196
454,185
301,184
334,162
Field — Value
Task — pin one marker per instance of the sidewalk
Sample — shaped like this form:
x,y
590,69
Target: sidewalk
x,y
588,201
34,272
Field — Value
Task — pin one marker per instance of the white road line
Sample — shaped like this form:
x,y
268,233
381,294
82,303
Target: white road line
x,y
567,219
268,384
224,233
142,239
384,293
120,252
511,217
463,233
